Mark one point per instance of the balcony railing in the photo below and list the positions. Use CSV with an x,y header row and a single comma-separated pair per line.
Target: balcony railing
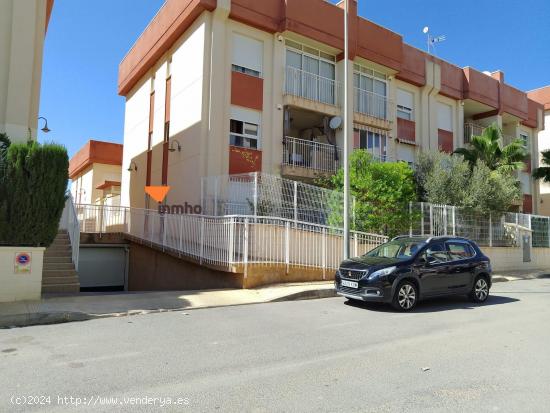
x,y
311,155
472,129
312,87
372,104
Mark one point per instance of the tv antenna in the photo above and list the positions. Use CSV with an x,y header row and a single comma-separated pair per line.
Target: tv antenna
x,y
432,40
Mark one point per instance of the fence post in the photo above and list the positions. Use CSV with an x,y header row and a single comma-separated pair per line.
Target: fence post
x,y
202,241
355,244
255,194
324,258
445,219
181,235
245,248
287,246
490,230
295,202
431,220
410,218
422,218
152,229
231,248
454,221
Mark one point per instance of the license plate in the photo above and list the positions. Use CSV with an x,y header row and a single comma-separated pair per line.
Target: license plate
x,y
350,284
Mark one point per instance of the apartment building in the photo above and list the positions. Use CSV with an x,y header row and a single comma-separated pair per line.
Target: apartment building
x,y
23,26
233,86
542,95
95,172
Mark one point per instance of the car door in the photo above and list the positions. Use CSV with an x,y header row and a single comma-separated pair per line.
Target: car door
x,y
434,269
461,266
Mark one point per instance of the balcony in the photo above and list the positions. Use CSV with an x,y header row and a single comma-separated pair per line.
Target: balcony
x,y
312,87
308,159
472,129
373,105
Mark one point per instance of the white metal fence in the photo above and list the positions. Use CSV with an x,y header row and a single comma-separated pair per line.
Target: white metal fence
x,y
495,230
311,86
261,194
311,155
373,104
230,240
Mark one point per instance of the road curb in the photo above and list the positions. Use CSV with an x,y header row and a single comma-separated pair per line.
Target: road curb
x,y
35,319
307,295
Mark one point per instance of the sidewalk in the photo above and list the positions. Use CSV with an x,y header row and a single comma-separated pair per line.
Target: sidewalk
x,y
87,306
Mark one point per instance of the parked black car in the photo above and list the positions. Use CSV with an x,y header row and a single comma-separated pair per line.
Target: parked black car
x,y
408,269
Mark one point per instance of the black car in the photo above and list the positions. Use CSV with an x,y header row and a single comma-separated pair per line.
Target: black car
x,y
408,269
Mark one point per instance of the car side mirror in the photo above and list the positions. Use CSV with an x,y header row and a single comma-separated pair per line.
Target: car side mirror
x,y
422,262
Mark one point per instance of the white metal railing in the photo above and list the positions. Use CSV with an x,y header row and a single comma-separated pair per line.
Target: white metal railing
x,y
492,229
373,104
233,240
311,155
70,223
472,129
311,86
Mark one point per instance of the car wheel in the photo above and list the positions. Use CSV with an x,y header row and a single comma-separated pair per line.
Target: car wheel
x,y
405,297
480,290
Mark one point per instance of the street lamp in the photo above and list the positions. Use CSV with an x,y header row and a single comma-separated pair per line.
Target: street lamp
x,y
45,129
346,133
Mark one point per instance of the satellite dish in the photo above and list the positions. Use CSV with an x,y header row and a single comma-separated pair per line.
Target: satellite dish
x,y
426,30
335,122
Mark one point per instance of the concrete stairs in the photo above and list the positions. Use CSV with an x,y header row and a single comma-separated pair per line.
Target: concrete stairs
x,y
59,275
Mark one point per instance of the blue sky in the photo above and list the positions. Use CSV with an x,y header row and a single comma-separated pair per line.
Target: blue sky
x,y
86,41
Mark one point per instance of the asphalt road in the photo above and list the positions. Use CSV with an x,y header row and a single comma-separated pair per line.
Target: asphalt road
x,y
319,355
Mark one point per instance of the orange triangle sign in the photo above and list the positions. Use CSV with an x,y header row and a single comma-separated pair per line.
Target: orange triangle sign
x,y
158,193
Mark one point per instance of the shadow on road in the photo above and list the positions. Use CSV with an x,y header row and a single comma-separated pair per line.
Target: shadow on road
x,y
432,305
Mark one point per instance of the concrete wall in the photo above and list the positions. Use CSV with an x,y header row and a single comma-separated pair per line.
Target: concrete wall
x,y
511,259
20,286
22,30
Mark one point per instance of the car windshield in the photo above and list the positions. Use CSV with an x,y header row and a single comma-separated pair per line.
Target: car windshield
x,y
401,249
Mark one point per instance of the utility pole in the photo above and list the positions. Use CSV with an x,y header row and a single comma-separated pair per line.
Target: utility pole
x,y
346,133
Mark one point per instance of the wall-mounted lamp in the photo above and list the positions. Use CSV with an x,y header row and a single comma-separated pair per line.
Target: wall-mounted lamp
x,y
132,167
45,129
178,147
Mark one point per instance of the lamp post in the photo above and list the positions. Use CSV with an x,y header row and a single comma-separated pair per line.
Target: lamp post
x,y
346,133
45,129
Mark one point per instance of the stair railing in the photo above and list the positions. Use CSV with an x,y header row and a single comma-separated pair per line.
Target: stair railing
x,y
69,222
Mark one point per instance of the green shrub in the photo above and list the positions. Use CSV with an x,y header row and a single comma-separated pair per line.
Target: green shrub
x,y
33,194
382,191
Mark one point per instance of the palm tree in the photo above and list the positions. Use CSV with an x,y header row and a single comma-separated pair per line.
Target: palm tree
x,y
488,148
543,172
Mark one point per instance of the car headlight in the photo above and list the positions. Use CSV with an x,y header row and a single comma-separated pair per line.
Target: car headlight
x,y
382,272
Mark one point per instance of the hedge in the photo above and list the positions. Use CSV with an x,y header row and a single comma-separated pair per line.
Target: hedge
x,y
32,194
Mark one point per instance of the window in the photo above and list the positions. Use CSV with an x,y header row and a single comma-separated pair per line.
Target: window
x,y
400,248
373,142
459,251
444,117
243,134
246,71
525,138
405,101
436,254
310,73
371,90
248,54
